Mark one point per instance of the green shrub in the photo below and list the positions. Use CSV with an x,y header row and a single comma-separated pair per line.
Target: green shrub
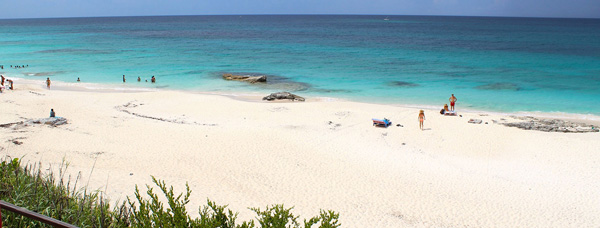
x,y
49,195
214,215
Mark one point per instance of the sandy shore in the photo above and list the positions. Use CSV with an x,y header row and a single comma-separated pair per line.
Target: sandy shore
x,y
313,155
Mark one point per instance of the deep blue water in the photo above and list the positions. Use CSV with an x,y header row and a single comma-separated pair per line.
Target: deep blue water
x,y
497,64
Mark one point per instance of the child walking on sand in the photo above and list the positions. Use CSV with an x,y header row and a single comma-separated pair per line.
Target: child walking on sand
x,y
421,119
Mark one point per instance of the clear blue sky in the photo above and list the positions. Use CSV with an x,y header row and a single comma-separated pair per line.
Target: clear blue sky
x,y
92,8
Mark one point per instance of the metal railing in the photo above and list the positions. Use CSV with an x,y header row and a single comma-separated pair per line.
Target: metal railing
x,y
32,215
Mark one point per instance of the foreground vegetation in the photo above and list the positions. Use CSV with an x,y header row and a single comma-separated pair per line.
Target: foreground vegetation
x,y
49,194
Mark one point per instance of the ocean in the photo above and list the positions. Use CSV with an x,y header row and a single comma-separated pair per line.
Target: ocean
x,y
489,63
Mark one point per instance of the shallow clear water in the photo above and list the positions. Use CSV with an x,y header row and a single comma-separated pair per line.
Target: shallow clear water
x,y
497,64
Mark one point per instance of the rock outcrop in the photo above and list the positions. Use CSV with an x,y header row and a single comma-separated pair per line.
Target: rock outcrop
x,y
551,125
283,95
245,78
266,81
52,121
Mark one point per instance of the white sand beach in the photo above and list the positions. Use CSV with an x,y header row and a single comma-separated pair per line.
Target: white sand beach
x,y
312,155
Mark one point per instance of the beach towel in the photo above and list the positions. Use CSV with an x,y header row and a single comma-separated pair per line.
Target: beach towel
x,y
450,113
475,121
381,122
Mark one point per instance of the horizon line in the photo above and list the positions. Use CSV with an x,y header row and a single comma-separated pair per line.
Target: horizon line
x,y
190,15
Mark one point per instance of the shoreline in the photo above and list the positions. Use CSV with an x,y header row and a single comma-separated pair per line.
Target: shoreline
x,y
312,156
588,119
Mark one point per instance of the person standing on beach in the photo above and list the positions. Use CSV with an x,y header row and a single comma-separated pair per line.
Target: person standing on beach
x,y
52,114
421,119
48,82
2,83
10,82
452,102
123,78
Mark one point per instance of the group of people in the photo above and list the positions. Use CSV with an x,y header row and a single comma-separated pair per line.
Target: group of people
x,y
452,100
153,79
449,111
48,82
15,66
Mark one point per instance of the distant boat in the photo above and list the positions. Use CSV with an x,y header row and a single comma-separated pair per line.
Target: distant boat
x,y
386,19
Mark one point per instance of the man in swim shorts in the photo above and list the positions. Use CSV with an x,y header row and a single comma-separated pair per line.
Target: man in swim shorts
x,y
452,102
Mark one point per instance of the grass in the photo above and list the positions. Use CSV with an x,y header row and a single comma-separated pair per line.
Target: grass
x,y
48,194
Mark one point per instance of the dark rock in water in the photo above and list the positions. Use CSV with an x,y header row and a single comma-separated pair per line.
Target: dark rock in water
x,y
77,51
553,125
194,72
288,86
319,90
274,82
283,95
499,86
44,74
279,83
245,78
403,84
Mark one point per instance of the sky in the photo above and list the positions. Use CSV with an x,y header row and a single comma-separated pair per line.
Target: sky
x,y
95,8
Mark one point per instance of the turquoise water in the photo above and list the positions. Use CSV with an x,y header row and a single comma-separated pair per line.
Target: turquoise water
x,y
497,64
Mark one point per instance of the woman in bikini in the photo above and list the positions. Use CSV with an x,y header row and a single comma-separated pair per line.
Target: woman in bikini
x,y
421,119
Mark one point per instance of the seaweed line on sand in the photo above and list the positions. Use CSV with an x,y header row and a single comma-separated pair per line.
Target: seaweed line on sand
x,y
123,108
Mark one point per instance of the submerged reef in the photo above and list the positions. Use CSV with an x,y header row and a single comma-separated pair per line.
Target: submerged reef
x,y
499,86
44,74
403,84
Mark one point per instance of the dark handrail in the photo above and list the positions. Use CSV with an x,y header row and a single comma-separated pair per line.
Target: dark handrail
x,y
33,215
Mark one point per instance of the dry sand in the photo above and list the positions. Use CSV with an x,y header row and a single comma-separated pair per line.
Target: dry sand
x,y
313,155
